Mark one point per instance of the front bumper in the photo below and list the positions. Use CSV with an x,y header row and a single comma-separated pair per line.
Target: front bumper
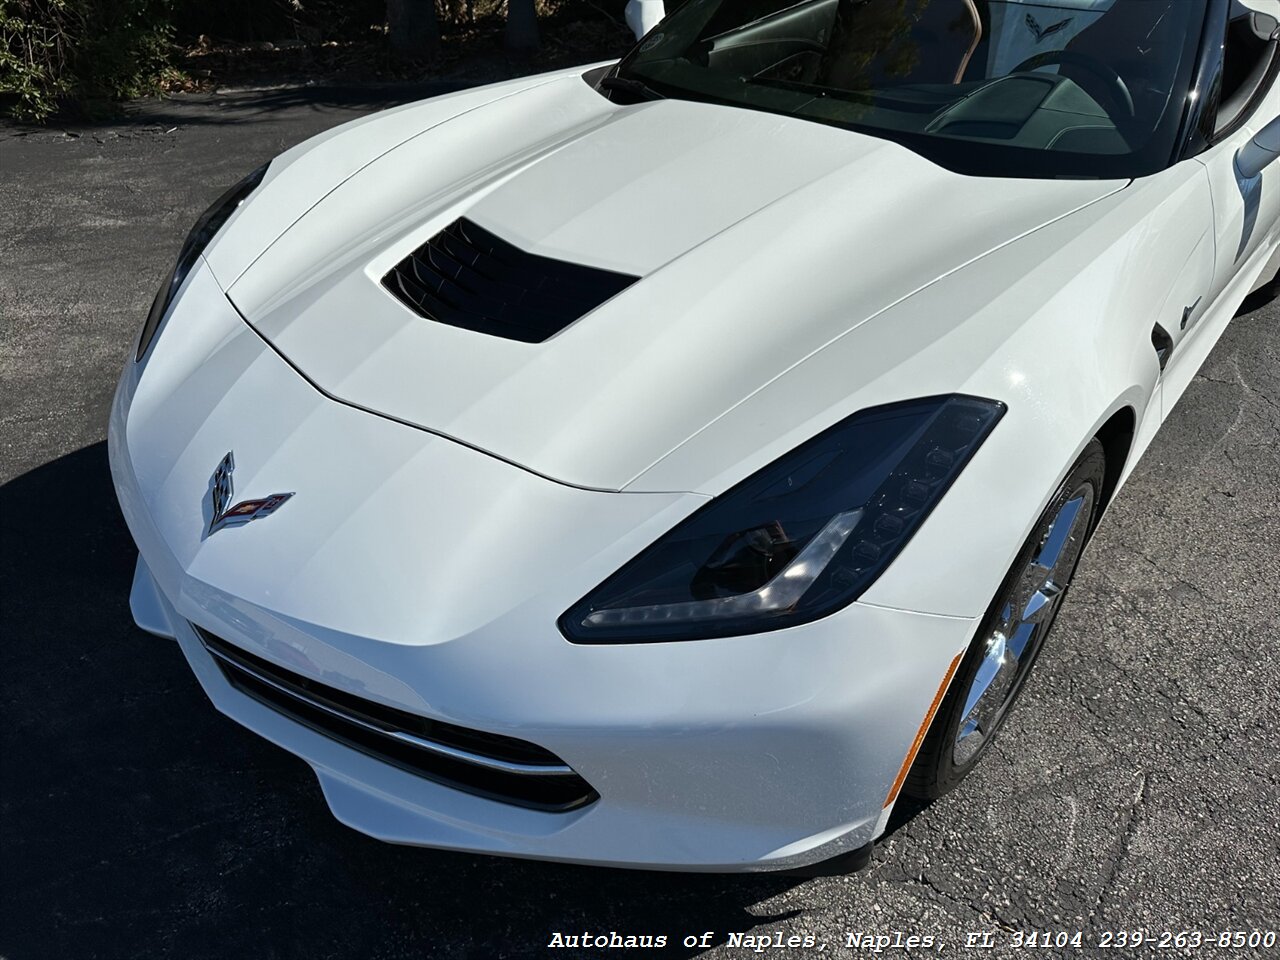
x,y
420,574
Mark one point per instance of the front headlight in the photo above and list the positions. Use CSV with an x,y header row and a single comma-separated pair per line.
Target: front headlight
x,y
800,539
206,227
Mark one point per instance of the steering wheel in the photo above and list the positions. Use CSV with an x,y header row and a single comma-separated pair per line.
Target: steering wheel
x,y
1112,81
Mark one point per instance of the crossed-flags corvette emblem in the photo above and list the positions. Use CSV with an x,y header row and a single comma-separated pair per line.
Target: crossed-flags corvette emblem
x,y
226,515
1042,33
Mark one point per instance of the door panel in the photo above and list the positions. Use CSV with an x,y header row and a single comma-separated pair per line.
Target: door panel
x,y
1191,272
1245,232
1246,211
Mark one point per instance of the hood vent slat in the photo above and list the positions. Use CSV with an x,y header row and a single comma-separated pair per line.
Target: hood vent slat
x,y
467,277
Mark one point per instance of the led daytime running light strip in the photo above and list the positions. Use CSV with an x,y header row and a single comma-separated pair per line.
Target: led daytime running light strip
x,y
781,593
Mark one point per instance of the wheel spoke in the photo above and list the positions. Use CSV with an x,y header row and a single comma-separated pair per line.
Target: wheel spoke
x,y
1059,535
987,672
1008,621
1041,604
1021,639
987,696
1032,581
1065,563
1027,611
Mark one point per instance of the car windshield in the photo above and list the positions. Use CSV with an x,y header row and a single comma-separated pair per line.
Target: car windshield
x,y
1014,88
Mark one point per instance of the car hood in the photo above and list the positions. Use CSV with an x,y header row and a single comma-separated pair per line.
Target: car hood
x,y
757,240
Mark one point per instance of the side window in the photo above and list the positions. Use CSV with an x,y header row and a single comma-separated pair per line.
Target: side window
x,y
1249,58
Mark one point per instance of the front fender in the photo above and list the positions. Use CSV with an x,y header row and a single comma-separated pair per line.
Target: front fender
x,y
1056,325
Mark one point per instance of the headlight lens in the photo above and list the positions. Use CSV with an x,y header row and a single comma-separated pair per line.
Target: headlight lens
x,y
800,539
210,223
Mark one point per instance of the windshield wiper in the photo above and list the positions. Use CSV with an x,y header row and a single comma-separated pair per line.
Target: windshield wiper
x,y
629,85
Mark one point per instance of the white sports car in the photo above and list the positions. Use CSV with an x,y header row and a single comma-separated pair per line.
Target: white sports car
x,y
665,465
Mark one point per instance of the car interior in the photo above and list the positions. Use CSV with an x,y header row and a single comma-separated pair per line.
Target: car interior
x,y
1249,62
1081,76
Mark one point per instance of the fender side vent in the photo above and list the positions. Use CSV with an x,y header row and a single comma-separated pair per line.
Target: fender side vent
x,y
467,277
1162,343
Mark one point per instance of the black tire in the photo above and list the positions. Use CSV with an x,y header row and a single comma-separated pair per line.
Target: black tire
x,y
1271,291
940,766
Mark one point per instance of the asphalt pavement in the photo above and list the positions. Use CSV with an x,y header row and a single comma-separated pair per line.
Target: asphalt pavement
x,y
1135,788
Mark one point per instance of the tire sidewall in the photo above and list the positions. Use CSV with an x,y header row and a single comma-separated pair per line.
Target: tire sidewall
x,y
936,772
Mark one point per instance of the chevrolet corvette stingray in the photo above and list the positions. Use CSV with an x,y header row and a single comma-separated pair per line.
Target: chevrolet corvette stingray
x,y
671,462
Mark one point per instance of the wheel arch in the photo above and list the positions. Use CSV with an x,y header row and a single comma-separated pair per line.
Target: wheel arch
x,y
1116,437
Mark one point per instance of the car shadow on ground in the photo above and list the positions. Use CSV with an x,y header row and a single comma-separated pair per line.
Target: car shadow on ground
x,y
138,820
1259,298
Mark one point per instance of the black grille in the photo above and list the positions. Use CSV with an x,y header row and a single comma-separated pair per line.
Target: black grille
x,y
467,277
469,760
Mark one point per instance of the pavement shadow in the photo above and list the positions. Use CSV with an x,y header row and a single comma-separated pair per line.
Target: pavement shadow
x,y
138,821
1259,298
904,811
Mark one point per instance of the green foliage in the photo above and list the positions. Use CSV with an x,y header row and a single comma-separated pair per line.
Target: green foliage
x,y
82,55
33,55
55,53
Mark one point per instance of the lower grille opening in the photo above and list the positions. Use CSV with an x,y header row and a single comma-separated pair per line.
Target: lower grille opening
x,y
485,764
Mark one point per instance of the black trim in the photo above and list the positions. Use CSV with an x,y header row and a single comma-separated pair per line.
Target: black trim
x,y
593,76
325,710
467,277
1200,131
1255,100
1201,114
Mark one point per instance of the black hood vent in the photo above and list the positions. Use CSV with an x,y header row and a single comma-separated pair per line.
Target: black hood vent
x,y
467,277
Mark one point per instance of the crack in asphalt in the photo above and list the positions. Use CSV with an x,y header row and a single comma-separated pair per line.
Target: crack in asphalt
x,y
1137,813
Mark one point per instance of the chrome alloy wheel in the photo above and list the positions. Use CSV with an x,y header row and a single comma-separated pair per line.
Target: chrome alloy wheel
x,y
1026,611
990,676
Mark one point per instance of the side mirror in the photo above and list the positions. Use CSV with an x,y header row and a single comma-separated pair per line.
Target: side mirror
x,y
1259,152
643,15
